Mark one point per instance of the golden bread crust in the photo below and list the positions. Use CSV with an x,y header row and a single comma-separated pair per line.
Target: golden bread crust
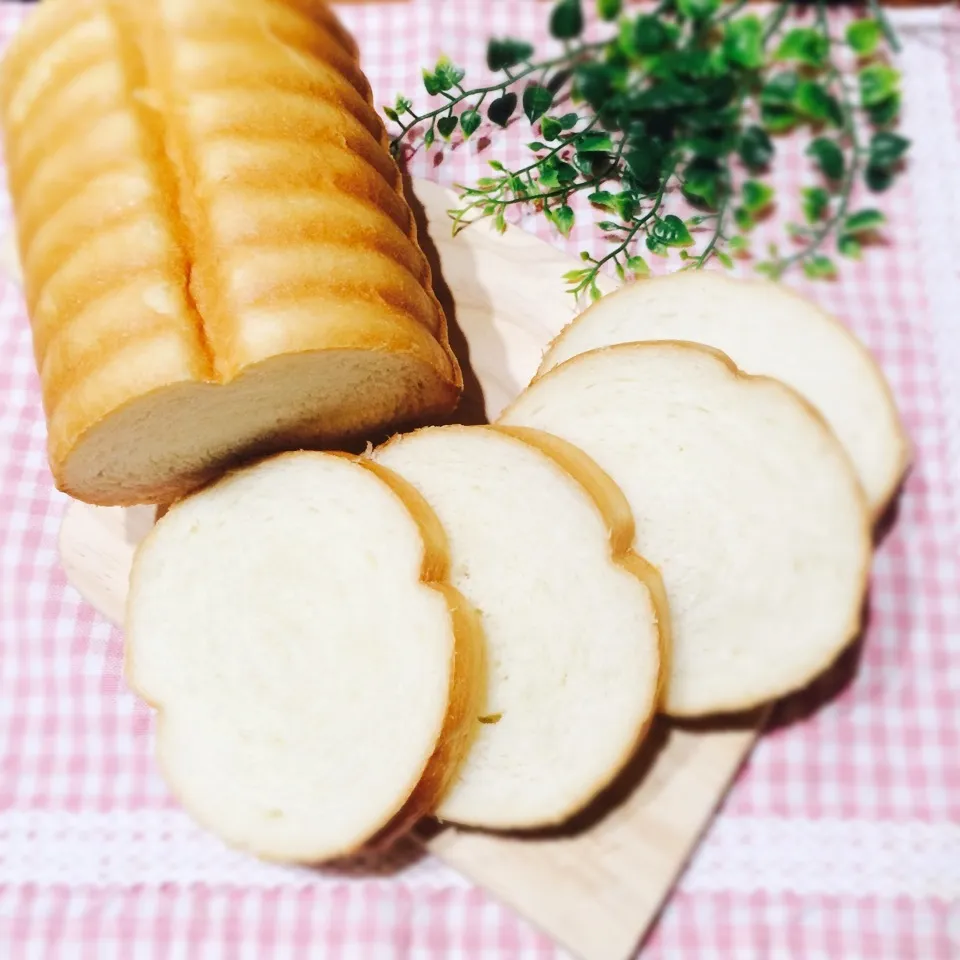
x,y
199,189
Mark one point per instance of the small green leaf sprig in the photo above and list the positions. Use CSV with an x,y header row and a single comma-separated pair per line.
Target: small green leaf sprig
x,y
686,100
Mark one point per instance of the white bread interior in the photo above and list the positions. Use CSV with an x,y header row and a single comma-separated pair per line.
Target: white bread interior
x,y
540,545
744,500
767,329
316,678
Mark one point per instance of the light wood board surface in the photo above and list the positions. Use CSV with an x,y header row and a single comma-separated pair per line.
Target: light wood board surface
x,y
596,886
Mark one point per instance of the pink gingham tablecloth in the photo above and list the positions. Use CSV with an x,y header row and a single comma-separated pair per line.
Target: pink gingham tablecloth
x,y
841,837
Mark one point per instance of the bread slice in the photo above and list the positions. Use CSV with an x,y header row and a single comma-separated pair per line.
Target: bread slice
x,y
219,261
765,328
316,677
540,545
744,500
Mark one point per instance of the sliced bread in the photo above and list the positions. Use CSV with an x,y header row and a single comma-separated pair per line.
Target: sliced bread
x,y
765,329
540,545
316,677
744,500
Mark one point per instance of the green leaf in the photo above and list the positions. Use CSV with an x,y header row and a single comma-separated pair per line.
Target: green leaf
x,y
536,101
573,276
885,111
506,53
608,9
428,138
469,121
767,269
702,181
604,199
657,247
430,83
863,221
550,128
886,149
877,178
780,90
595,293
777,110
671,231
816,103
828,157
698,9
815,201
392,114
644,162
724,258
565,172
566,20
649,34
819,267
778,119
536,146
804,45
402,104
446,126
848,246
593,83
563,217
638,266
757,197
756,148
594,143
877,82
446,74
501,109
743,219
609,226
626,205
743,42
863,36
568,120
738,244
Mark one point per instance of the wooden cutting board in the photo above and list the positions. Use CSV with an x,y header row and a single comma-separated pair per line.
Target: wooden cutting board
x,y
597,885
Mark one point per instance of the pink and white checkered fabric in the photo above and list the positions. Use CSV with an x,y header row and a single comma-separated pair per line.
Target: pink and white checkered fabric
x,y
841,837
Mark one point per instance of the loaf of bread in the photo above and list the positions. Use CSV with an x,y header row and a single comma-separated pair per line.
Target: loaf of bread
x,y
217,254
767,329
316,676
575,622
743,498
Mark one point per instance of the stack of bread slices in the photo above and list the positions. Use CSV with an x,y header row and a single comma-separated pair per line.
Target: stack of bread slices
x,y
481,622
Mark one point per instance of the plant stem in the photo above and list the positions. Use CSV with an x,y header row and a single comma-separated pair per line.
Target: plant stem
x,y
890,35
777,16
720,215
631,234
570,56
819,236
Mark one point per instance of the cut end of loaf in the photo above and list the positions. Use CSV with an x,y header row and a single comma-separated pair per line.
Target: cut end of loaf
x,y
160,446
315,690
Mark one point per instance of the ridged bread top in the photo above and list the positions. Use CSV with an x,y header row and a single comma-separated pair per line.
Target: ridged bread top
x,y
198,187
